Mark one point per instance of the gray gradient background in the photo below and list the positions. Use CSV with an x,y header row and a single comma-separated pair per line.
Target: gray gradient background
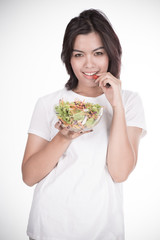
x,y
31,34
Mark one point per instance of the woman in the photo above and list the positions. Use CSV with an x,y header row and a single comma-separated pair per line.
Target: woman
x,y
79,175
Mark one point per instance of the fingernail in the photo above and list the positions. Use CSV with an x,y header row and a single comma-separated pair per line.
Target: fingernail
x,y
108,85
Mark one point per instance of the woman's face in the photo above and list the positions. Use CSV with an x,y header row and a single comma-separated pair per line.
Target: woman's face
x,y
88,58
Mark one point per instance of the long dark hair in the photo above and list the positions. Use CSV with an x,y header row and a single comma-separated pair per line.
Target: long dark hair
x,y
91,21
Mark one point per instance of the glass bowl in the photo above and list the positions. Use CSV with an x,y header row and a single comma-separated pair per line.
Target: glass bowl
x,y
78,115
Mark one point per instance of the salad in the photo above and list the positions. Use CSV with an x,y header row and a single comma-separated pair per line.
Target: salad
x,y
78,115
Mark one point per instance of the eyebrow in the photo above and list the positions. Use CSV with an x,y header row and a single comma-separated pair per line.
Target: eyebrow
x,y
76,50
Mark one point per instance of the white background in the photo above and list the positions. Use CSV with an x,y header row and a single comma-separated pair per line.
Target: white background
x,y
31,34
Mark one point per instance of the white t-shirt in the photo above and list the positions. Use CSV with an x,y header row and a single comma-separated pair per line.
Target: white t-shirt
x,y
78,200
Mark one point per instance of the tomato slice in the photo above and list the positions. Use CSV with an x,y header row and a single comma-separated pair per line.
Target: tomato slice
x,y
95,77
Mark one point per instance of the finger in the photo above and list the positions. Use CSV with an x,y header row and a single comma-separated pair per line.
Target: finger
x,y
103,82
84,132
65,130
97,79
60,127
57,125
107,75
109,81
72,134
89,131
110,76
100,76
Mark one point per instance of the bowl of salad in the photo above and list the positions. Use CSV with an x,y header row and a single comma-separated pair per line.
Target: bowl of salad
x,y
78,115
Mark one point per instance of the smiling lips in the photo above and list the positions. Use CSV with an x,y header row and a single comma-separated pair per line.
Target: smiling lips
x,y
91,75
94,76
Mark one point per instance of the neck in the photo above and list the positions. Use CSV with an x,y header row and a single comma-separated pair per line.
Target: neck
x,y
89,92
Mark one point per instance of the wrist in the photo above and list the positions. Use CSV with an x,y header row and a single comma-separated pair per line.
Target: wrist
x,y
63,138
118,108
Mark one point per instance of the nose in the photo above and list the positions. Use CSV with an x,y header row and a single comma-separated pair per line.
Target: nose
x,y
89,61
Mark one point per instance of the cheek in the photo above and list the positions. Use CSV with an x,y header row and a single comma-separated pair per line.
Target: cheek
x,y
75,66
72,64
105,64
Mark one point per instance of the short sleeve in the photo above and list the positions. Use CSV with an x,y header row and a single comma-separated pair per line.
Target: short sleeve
x,y
135,112
39,124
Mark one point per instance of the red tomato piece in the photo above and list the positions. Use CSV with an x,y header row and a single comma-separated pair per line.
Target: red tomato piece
x,y
95,77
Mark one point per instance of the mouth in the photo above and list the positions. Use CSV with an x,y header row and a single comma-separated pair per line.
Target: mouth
x,y
89,73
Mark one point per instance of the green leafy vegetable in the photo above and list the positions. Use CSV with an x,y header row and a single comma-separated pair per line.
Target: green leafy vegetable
x,y
78,114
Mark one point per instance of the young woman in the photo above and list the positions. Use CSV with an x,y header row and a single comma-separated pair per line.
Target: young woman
x,y
79,175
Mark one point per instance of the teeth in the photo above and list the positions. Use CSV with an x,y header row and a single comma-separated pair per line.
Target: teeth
x,y
90,74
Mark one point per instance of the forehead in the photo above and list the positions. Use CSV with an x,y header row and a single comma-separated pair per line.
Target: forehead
x,y
87,41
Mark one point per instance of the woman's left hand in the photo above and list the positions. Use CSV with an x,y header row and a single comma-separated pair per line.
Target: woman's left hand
x,y
113,92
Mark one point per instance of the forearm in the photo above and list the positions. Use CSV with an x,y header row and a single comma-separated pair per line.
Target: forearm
x,y
120,156
41,163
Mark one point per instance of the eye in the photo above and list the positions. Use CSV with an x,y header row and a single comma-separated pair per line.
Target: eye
x,y
78,55
98,53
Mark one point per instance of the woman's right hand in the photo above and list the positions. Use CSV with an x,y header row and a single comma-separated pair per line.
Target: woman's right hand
x,y
41,156
66,132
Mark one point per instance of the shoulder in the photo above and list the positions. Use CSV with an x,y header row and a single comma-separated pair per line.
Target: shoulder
x,y
135,116
127,94
130,97
52,97
47,102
